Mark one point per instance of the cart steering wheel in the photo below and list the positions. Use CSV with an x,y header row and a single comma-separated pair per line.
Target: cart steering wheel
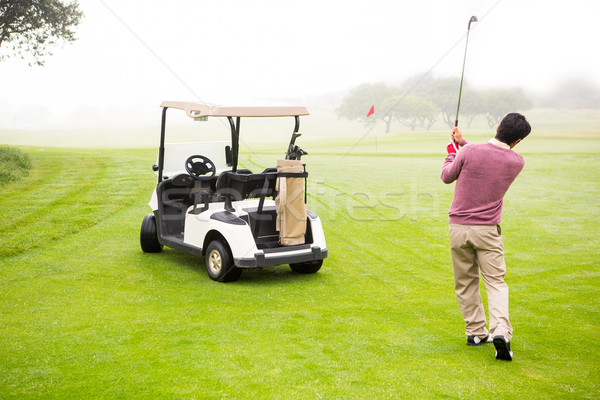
x,y
200,167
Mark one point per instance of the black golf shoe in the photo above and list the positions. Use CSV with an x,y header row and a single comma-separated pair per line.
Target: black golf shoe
x,y
503,351
474,340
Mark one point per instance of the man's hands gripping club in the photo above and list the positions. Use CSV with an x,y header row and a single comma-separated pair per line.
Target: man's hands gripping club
x,y
456,137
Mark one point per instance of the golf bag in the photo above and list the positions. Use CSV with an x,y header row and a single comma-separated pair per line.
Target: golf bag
x,y
291,209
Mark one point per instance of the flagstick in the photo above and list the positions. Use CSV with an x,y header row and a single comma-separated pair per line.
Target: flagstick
x,y
371,112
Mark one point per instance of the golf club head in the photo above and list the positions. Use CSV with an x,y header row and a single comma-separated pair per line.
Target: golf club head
x,y
473,19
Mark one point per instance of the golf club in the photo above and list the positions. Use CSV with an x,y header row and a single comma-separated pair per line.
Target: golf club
x,y
473,19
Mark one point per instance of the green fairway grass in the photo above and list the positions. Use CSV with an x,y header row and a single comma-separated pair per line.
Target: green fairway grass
x,y
84,313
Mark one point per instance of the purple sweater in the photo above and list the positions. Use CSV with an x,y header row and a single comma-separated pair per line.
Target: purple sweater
x,y
483,173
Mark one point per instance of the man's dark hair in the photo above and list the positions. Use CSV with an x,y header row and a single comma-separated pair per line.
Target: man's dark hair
x,y
512,128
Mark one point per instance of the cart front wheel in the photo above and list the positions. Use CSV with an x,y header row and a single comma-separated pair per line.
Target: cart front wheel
x,y
149,235
219,263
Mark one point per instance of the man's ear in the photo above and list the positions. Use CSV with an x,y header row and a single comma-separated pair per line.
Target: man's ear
x,y
516,142
498,127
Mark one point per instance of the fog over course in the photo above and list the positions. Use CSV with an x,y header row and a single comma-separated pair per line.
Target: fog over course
x,y
131,55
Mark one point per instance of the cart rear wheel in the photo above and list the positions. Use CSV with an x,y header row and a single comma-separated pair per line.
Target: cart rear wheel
x,y
219,263
149,235
307,267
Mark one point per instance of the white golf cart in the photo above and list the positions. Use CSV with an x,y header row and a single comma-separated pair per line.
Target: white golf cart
x,y
204,205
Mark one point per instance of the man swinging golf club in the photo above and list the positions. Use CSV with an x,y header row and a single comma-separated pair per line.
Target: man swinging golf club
x,y
483,173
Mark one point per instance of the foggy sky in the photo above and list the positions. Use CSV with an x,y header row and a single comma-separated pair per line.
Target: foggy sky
x,y
131,55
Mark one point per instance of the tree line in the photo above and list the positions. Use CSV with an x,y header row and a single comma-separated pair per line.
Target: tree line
x,y
420,102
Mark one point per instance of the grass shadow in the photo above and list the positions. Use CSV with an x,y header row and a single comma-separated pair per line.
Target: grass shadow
x,y
251,276
275,275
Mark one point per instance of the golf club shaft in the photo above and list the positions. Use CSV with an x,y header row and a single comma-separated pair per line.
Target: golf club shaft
x,y
473,19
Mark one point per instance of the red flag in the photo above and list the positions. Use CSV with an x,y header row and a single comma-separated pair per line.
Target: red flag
x,y
371,111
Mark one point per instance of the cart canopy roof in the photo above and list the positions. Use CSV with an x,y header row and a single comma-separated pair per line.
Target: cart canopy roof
x,y
198,110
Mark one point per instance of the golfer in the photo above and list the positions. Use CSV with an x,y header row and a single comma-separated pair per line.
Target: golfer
x,y
483,173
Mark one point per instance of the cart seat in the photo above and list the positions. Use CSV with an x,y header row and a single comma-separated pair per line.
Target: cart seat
x,y
240,185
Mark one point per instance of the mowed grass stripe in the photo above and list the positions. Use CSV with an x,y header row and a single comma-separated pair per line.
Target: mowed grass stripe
x,y
67,193
42,218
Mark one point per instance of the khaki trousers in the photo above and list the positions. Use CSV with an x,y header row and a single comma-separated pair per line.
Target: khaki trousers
x,y
479,249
